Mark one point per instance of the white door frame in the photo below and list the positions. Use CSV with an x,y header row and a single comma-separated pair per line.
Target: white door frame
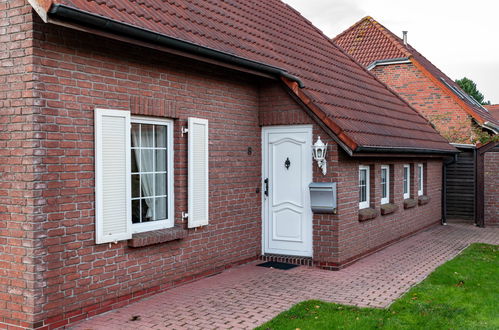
x,y
308,177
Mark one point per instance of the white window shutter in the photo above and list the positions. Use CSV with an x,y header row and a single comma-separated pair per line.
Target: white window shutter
x,y
112,176
197,172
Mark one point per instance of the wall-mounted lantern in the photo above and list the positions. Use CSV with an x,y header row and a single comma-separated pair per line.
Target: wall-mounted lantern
x,y
319,150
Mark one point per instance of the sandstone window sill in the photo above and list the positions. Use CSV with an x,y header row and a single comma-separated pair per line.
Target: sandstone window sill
x,y
410,203
388,208
157,236
367,214
422,200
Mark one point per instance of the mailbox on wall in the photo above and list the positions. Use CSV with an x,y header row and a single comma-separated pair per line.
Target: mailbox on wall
x,y
323,197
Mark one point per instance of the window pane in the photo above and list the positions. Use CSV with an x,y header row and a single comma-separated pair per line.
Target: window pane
x,y
135,135
136,211
161,208
135,185
362,185
160,133
147,137
363,194
133,157
160,160
147,209
147,185
420,177
160,184
146,164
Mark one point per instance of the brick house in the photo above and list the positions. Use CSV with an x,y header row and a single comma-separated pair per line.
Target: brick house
x,y
454,114
146,146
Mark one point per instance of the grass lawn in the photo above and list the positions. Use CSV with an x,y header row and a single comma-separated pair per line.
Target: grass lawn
x,y
463,293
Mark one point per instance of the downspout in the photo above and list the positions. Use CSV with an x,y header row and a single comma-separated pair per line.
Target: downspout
x,y
447,162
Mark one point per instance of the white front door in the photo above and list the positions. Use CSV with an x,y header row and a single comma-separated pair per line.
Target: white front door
x,y
287,172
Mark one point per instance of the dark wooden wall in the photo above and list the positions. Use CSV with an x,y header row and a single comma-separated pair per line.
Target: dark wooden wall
x,y
460,187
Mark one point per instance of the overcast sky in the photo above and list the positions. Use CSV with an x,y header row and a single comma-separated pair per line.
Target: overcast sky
x,y
460,37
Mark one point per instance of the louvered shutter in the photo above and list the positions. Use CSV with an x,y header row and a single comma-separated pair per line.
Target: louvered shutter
x,y
198,172
112,176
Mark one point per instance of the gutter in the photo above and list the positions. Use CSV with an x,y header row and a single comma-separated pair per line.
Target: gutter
x,y
398,60
403,150
102,23
491,126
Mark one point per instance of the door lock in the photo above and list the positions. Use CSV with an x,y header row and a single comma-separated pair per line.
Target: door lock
x,y
266,187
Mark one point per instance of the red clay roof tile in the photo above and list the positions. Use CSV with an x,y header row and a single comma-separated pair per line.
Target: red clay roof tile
x,y
273,33
369,41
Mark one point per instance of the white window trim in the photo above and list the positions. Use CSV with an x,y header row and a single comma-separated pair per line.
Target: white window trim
x,y
386,200
160,224
420,178
408,193
366,203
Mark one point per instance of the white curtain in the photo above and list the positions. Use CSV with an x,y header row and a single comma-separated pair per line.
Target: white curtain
x,y
146,181
161,185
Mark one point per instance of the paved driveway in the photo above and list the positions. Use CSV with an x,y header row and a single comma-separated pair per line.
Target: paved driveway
x,y
247,296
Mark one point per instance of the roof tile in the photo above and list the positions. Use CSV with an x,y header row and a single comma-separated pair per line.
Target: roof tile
x,y
273,33
369,41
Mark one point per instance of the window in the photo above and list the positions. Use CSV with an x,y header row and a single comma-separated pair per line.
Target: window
x,y
385,184
407,181
151,159
420,179
134,174
363,187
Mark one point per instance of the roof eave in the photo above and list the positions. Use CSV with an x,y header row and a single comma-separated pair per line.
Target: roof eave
x,y
388,61
402,150
41,7
64,12
491,126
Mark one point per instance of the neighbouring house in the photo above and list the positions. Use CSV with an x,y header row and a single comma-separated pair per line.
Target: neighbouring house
x,y
494,110
146,144
457,116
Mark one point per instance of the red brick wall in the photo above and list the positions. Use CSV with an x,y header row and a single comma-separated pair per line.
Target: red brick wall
x,y
78,73
428,98
52,270
491,191
357,238
19,280
341,238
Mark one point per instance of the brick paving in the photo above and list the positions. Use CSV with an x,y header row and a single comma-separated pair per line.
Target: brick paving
x,y
247,296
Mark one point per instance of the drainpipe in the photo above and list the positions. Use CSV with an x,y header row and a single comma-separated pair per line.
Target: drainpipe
x,y
447,162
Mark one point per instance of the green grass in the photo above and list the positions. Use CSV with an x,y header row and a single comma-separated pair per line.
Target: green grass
x,y
463,293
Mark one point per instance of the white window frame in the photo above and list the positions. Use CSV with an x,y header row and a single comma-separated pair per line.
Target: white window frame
x,y
407,168
420,179
366,203
385,200
168,223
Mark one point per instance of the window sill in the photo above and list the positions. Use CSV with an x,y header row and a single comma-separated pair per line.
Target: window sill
x,y
423,199
157,236
367,214
388,208
410,203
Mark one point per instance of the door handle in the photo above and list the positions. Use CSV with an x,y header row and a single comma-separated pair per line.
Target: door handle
x,y
266,187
